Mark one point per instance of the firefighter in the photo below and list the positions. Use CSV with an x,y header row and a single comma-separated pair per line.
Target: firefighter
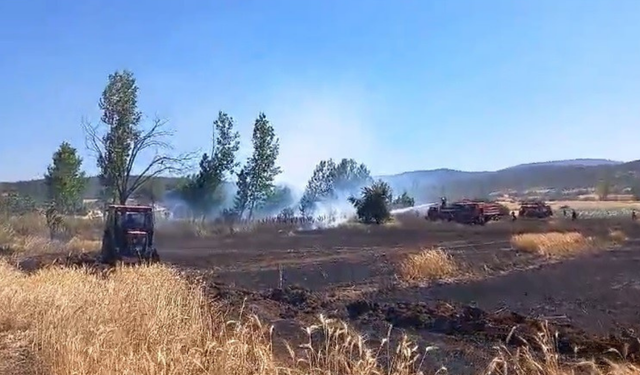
x,y
634,217
513,216
574,215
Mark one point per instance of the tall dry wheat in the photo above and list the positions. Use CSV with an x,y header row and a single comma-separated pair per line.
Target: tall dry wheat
x,y
552,244
427,265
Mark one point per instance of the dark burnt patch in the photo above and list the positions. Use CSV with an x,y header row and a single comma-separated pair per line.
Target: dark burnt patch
x,y
297,300
506,326
34,263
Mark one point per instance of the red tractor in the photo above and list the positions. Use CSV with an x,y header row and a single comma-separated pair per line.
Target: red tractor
x,y
128,235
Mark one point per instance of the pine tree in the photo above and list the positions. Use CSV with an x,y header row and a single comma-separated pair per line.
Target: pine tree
x,y
65,180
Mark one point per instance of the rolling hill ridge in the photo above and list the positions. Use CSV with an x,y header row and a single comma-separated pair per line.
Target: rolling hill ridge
x,y
425,185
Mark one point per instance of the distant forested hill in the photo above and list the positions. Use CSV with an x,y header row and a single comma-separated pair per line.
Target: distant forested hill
x,y
430,184
36,189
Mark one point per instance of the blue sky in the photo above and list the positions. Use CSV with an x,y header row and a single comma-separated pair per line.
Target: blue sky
x,y
399,85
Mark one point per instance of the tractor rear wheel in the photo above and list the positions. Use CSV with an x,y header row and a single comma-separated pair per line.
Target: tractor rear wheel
x,y
107,252
154,257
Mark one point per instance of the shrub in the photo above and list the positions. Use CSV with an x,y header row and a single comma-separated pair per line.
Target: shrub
x,y
373,204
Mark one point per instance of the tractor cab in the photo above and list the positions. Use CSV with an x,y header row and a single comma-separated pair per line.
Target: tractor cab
x,y
128,234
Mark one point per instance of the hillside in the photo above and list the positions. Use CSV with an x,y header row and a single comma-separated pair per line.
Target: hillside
x,y
430,184
569,163
37,189
555,176
429,177
443,176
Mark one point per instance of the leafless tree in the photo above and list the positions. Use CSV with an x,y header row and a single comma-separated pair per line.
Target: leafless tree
x,y
120,144
149,148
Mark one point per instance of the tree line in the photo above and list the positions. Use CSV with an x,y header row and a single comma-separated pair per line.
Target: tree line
x,y
130,158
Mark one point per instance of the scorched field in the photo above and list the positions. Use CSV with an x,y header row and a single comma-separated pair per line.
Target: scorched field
x,y
529,296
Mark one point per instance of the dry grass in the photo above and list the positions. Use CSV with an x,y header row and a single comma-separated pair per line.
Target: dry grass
x,y
199,229
34,244
149,320
34,224
523,361
136,321
355,225
552,244
582,204
7,234
427,265
618,236
28,235
596,204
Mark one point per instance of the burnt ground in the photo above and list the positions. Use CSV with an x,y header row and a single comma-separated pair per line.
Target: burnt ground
x,y
288,278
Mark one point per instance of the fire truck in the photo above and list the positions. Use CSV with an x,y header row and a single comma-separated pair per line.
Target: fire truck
x,y
466,212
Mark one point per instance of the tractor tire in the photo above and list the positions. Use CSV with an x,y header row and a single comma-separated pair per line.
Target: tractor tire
x,y
155,257
149,257
107,253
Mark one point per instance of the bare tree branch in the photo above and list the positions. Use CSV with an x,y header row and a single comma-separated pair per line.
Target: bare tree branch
x,y
119,142
92,140
153,140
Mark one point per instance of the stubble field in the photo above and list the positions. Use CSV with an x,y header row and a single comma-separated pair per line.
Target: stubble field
x,y
475,293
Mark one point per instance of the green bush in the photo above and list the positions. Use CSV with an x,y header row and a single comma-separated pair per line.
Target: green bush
x,y
373,204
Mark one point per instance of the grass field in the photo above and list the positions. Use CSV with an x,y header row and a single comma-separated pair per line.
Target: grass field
x,y
509,297
591,204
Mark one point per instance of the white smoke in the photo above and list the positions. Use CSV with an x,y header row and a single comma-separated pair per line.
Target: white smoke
x,y
320,122
333,213
317,121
